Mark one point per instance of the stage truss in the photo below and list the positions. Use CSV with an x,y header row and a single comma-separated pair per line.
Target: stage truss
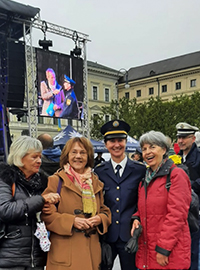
x,y
31,93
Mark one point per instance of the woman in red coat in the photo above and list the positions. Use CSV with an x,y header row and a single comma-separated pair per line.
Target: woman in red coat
x,y
165,239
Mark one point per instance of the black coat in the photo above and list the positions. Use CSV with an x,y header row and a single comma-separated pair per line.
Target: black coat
x,y
21,247
49,167
193,164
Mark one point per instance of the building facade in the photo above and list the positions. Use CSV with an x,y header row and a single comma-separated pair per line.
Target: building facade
x,y
165,79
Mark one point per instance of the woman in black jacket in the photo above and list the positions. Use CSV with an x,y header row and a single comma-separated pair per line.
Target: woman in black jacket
x,y
21,186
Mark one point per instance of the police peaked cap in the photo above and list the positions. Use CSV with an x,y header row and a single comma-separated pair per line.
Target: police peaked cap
x,y
115,129
184,129
67,79
138,150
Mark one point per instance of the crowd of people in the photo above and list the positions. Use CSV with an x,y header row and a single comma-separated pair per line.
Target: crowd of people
x,y
91,208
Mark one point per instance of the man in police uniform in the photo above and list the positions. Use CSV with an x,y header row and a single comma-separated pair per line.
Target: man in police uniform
x,y
191,157
70,104
121,177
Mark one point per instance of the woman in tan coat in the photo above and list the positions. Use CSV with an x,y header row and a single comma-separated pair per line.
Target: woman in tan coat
x,y
79,218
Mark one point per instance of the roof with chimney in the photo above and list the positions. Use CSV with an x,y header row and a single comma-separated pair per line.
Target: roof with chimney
x,y
182,62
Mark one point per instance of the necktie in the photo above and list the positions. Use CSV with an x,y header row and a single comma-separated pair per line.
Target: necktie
x,y
118,167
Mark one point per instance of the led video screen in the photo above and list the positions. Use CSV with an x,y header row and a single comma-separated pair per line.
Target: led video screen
x,y
59,85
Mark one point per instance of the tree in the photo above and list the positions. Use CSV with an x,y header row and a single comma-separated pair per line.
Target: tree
x,y
95,126
152,115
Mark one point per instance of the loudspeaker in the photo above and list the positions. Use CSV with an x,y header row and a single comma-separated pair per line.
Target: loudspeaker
x,y
13,67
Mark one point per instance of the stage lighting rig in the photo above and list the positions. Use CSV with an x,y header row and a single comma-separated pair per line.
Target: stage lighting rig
x,y
19,112
45,43
77,50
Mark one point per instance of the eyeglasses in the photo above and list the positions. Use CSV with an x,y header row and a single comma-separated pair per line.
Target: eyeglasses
x,y
75,153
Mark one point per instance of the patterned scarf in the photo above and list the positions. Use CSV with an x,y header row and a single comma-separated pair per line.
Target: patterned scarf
x,y
150,174
33,184
84,183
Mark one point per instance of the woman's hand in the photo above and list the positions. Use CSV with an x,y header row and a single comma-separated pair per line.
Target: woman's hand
x,y
81,223
48,208
162,259
56,107
51,198
56,91
94,221
134,226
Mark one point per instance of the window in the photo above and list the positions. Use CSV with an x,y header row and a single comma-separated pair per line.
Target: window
x,y
193,83
127,95
107,94
178,85
70,122
40,120
151,91
138,93
107,118
94,92
164,88
55,121
24,118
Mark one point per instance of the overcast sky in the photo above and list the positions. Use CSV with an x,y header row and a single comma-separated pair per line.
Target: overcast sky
x,y
126,33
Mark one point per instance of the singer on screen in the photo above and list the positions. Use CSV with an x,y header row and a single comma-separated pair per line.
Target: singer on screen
x,y
52,95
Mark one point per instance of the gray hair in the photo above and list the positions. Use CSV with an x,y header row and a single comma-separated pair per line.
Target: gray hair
x,y
22,146
157,138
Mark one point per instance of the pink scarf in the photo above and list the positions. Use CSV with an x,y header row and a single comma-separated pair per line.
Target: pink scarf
x,y
84,183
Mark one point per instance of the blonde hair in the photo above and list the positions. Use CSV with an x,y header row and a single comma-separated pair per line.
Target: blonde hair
x,y
22,146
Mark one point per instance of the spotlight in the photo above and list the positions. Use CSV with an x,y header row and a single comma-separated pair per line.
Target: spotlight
x,y
76,51
19,112
45,44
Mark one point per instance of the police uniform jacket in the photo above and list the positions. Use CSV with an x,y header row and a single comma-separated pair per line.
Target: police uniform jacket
x,y
193,164
121,197
70,105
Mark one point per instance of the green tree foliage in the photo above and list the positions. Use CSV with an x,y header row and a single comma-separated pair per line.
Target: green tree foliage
x,y
95,126
152,115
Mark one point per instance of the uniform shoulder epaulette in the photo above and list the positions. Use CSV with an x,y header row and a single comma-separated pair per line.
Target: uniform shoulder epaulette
x,y
100,164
